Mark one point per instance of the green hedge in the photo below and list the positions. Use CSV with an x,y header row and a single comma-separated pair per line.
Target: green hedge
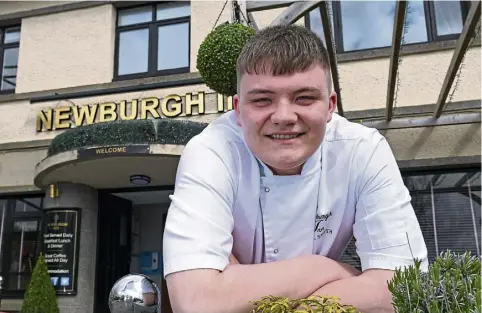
x,y
160,131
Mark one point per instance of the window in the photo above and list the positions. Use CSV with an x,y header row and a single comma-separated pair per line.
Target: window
x,y
361,25
20,230
447,205
153,40
9,46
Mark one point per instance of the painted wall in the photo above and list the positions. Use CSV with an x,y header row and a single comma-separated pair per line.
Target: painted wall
x,y
67,49
9,7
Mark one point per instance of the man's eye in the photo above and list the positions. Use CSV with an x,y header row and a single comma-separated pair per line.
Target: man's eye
x,y
302,98
305,100
261,101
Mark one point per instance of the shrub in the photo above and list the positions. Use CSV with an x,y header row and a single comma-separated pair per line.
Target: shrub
x,y
107,133
217,55
314,304
129,132
452,284
40,296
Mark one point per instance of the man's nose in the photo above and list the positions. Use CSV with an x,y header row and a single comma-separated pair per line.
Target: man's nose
x,y
284,114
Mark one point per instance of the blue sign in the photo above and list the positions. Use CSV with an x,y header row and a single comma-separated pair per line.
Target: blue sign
x,y
54,280
150,262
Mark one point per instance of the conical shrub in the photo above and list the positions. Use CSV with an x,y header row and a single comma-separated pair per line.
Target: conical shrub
x,y
40,296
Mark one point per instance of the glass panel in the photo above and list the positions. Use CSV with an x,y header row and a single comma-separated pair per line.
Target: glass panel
x,y
9,69
12,35
473,180
28,205
369,24
173,46
24,253
448,17
455,227
135,16
440,181
316,25
455,208
173,10
133,51
422,205
416,28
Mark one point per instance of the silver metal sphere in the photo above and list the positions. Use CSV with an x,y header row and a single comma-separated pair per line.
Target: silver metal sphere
x,y
135,293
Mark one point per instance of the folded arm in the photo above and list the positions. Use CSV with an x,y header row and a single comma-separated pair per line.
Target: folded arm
x,y
386,229
231,291
367,292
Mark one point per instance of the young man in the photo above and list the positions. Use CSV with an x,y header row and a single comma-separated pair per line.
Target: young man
x,y
280,185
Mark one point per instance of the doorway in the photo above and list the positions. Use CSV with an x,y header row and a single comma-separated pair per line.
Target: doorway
x,y
113,246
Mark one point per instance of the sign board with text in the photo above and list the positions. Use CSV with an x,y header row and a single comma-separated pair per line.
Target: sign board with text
x,y
114,150
60,247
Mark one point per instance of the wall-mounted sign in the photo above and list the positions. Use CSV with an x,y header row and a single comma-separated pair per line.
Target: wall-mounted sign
x,y
151,107
60,247
113,150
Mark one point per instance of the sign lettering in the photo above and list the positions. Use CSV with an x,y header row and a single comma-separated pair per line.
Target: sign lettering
x,y
114,150
151,107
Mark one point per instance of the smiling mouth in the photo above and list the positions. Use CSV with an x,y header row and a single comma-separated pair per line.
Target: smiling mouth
x,y
285,136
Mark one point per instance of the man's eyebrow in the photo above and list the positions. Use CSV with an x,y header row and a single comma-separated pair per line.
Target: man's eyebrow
x,y
307,89
258,91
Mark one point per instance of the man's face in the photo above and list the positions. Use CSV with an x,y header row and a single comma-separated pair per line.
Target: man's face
x,y
284,117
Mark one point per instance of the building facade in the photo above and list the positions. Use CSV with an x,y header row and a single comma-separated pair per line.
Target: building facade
x,y
91,99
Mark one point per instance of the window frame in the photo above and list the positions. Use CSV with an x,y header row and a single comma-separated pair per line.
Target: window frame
x,y
153,27
4,46
430,21
11,216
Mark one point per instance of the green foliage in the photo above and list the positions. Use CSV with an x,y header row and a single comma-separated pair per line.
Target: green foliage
x,y
123,132
217,55
314,304
40,296
452,284
108,133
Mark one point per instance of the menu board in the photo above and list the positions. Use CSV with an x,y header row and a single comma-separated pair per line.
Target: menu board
x,y
60,247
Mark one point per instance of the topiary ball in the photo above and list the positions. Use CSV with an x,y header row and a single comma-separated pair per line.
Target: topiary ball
x,y
217,55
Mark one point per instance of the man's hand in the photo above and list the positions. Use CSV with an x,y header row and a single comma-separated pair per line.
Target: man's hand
x,y
367,292
232,260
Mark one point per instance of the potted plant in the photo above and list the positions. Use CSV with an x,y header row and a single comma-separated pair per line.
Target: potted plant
x,y
40,296
451,285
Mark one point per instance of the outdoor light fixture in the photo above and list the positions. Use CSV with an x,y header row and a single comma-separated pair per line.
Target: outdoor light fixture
x,y
140,180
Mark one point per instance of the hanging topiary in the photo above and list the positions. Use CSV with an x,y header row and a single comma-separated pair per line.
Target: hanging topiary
x,y
217,55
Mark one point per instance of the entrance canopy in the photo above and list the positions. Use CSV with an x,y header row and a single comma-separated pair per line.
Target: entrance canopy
x,y
119,154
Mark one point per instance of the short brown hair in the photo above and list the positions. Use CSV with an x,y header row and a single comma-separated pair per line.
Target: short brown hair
x,y
282,50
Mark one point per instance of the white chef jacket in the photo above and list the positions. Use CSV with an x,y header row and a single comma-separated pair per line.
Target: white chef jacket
x,y
226,200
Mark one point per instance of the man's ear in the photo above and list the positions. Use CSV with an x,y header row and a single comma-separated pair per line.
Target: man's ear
x,y
332,101
237,109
